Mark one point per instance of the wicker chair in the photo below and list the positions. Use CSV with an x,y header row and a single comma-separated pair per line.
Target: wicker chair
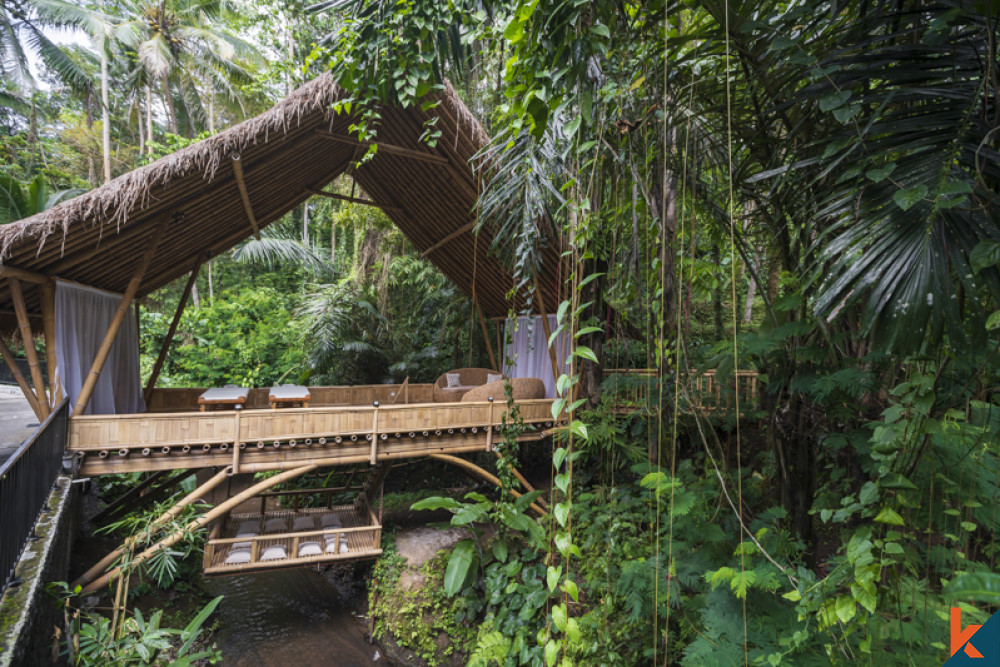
x,y
523,388
469,378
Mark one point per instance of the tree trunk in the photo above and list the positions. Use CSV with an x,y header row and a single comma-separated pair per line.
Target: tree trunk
x,y
105,117
149,118
171,110
195,301
367,255
91,167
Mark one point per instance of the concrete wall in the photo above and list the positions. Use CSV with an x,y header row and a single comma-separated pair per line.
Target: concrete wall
x,y
28,613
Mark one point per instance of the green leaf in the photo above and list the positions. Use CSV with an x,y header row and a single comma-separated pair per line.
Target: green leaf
x,y
572,630
436,503
562,482
894,480
993,321
794,596
586,330
586,353
561,512
600,30
469,514
979,587
558,457
880,173
571,589
500,550
834,100
552,577
846,608
559,617
892,548
906,198
889,516
579,429
459,566
551,652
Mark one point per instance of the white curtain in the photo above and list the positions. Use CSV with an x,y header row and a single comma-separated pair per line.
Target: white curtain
x,y
83,315
529,351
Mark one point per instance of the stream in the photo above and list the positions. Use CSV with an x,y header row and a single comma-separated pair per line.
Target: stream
x,y
288,617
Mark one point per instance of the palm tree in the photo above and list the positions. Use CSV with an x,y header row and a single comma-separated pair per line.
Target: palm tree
x,y
19,200
183,44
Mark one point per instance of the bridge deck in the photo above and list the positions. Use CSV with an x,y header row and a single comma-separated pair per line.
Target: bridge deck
x,y
257,440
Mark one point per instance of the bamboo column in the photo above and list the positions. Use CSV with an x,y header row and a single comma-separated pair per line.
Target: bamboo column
x,y
200,522
162,357
489,477
486,336
209,485
116,322
8,357
29,345
49,324
548,330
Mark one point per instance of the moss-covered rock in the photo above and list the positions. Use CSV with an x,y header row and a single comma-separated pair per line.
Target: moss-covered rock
x,y
415,621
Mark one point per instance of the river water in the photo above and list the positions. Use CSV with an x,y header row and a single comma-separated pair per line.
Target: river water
x,y
288,617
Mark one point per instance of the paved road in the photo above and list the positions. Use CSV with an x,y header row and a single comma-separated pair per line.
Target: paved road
x,y
17,422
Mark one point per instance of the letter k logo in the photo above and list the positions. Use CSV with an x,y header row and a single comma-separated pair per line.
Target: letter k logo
x,y
960,636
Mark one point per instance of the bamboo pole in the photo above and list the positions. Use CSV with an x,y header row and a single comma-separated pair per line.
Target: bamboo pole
x,y
8,271
8,357
24,325
103,564
49,324
244,195
162,357
116,322
548,329
473,468
486,336
353,200
384,147
450,237
201,521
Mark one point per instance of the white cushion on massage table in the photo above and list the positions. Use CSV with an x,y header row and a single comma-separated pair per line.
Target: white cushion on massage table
x,y
248,528
279,525
288,392
238,556
225,394
331,521
276,552
304,523
310,549
331,546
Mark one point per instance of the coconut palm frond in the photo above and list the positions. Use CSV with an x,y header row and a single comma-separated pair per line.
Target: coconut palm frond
x,y
271,252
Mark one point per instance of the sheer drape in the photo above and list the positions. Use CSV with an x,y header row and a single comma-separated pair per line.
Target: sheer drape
x,y
82,318
530,353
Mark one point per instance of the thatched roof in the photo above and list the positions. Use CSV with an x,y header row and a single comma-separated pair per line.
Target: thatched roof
x,y
299,145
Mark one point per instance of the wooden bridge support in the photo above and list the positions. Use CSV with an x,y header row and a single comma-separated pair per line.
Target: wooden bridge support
x,y
202,490
492,479
200,522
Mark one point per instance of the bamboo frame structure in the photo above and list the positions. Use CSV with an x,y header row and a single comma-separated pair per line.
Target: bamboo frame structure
x,y
352,200
486,337
383,147
449,238
48,303
162,357
15,370
200,522
268,439
90,575
116,322
29,346
244,195
489,477
361,534
548,330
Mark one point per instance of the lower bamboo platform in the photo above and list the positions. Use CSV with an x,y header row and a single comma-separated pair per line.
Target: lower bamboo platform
x,y
358,537
260,440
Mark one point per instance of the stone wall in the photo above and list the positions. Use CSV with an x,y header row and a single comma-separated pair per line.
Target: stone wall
x,y
28,613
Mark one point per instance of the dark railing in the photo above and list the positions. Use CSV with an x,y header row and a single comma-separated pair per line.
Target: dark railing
x,y
6,377
26,480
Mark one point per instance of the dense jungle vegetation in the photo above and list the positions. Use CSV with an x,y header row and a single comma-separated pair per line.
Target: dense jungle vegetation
x,y
803,189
